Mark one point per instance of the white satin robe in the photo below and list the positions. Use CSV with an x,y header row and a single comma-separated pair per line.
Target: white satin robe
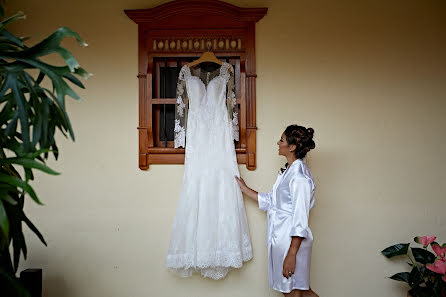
x,y
288,205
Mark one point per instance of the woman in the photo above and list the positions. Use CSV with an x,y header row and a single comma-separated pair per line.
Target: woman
x,y
288,205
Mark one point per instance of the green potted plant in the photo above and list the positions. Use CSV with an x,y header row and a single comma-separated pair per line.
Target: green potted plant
x,y
427,276
30,114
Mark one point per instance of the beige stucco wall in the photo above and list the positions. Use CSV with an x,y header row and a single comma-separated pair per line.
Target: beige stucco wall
x,y
368,76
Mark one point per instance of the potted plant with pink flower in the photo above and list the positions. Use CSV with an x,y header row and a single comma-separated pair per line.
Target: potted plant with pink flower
x,y
427,277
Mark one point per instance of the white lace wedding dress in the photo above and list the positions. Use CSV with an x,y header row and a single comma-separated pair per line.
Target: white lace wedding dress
x,y
210,232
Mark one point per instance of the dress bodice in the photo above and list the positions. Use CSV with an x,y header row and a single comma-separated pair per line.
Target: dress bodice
x,y
208,97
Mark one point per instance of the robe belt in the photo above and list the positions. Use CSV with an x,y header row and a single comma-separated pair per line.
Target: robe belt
x,y
271,219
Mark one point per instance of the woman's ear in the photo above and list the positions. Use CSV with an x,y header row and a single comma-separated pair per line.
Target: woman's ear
x,y
292,147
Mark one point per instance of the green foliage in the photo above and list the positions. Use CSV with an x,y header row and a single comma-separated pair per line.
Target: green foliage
x,y
423,256
423,279
396,250
30,114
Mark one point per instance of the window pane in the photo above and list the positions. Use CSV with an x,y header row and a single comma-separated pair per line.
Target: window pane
x,y
167,133
168,81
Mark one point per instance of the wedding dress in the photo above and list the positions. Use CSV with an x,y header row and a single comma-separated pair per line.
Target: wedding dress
x,y
210,232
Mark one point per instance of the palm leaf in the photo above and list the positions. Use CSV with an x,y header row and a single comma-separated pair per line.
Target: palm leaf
x,y
28,163
11,19
12,180
4,225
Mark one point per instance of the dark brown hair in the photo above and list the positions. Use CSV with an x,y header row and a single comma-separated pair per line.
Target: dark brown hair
x,y
301,137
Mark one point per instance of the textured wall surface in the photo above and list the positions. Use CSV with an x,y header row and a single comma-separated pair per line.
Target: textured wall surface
x,y
368,76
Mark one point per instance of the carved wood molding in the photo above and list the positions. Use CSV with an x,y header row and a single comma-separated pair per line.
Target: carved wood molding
x,y
185,7
197,44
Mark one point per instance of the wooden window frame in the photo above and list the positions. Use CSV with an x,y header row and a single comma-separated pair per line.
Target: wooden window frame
x,y
158,100
187,28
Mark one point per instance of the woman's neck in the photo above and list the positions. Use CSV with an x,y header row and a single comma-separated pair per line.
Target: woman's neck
x,y
290,159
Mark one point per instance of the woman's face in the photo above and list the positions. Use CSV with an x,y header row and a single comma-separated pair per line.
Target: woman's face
x,y
284,150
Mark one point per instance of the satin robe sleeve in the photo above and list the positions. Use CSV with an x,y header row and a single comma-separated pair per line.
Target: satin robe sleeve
x,y
264,200
300,191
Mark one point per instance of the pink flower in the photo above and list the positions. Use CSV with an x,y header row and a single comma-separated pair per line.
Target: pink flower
x,y
425,240
438,267
439,250
444,278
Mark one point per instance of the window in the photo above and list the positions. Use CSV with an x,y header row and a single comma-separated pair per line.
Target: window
x,y
164,83
170,36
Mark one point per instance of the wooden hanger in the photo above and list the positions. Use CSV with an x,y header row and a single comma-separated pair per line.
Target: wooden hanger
x,y
206,57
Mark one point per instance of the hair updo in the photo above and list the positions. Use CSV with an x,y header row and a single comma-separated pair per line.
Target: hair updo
x,y
302,138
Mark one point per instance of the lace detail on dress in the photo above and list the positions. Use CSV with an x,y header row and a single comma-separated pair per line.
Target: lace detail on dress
x,y
233,99
224,73
184,73
180,135
234,121
215,264
235,129
180,106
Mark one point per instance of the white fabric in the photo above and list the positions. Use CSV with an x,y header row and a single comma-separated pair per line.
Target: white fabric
x,y
234,122
226,73
210,232
288,205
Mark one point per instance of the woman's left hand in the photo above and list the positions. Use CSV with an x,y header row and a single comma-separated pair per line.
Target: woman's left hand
x,y
241,183
289,265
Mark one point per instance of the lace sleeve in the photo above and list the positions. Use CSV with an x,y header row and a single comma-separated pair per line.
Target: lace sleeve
x,y
232,107
181,108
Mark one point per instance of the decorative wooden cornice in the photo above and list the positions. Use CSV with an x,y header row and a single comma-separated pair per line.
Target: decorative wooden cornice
x,y
185,7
